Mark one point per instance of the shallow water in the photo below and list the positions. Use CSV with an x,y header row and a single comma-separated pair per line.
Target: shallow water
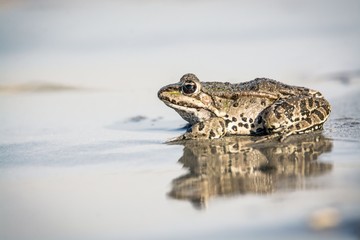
x,y
73,166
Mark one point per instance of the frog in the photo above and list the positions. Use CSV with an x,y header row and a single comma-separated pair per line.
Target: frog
x,y
259,107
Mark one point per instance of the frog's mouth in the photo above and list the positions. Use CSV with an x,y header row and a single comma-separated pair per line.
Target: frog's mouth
x,y
187,108
180,105
191,113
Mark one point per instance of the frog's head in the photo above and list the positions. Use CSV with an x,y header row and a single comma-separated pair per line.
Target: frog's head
x,y
188,99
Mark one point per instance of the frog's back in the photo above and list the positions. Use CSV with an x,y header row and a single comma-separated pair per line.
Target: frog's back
x,y
264,85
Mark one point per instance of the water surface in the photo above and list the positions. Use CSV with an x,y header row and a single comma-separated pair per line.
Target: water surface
x,y
72,168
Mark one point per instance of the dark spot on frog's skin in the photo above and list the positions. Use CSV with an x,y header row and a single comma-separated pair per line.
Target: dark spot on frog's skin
x,y
296,119
234,97
234,128
259,120
234,119
303,104
311,102
227,121
226,116
308,120
252,125
167,99
173,101
287,106
246,125
327,109
297,126
241,115
240,124
251,120
201,126
263,102
182,103
289,114
236,104
289,109
305,113
212,134
244,119
253,101
319,114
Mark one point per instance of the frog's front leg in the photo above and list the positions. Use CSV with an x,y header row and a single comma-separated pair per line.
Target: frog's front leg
x,y
208,129
296,114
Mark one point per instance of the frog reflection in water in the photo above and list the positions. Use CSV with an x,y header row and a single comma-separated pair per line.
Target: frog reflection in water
x,y
258,107
235,165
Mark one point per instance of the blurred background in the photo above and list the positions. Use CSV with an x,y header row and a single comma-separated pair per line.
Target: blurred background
x,y
133,45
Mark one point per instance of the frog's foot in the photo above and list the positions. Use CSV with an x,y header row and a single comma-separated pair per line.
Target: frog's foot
x,y
209,129
265,138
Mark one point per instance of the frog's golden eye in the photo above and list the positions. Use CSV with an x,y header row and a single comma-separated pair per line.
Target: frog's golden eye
x,y
189,87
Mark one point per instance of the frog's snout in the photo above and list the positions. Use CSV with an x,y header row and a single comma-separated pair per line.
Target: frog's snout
x,y
164,92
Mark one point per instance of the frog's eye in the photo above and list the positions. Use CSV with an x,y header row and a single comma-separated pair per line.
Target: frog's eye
x,y
189,87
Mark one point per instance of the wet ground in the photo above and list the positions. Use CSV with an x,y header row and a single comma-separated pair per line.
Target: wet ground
x,y
71,167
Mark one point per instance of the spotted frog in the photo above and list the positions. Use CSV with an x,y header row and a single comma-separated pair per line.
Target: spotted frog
x,y
259,107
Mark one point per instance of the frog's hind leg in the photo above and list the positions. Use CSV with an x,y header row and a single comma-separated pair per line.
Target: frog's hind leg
x,y
296,115
209,129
